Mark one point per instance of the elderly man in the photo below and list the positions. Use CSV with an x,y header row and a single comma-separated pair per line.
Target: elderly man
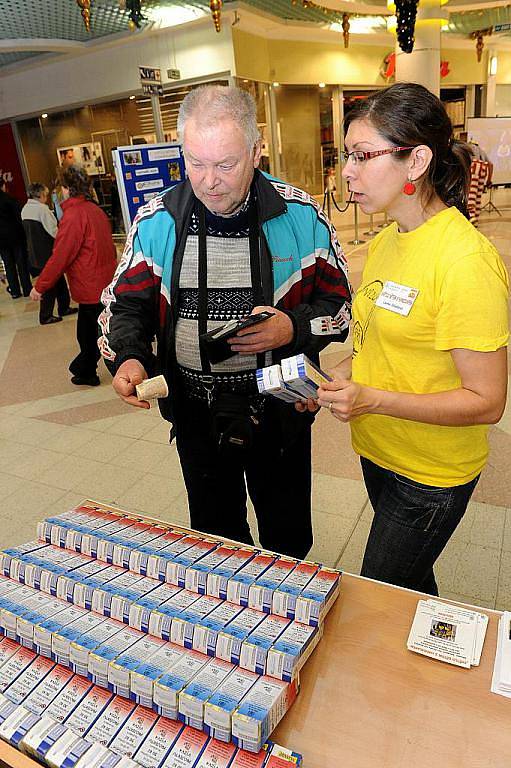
x,y
40,227
227,243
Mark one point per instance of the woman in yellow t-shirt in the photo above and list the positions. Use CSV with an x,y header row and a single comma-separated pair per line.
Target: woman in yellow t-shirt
x,y
430,327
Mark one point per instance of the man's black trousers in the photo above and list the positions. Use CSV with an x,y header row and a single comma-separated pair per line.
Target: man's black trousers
x,y
278,481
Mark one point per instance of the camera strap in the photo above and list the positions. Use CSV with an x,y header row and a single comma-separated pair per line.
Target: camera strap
x,y
208,381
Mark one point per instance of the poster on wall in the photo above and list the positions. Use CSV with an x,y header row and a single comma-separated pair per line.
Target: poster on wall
x,y
143,171
89,156
10,166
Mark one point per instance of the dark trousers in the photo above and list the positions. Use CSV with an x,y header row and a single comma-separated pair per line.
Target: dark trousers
x,y
17,270
278,482
86,362
412,524
59,293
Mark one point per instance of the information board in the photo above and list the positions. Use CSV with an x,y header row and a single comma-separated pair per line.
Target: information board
x,y
493,134
143,171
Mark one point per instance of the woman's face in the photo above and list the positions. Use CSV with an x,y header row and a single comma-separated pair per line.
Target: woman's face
x,y
376,183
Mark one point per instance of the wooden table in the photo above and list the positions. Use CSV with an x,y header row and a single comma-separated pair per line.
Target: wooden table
x,y
368,702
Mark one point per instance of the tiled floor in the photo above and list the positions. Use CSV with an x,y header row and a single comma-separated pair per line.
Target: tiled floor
x,y
60,444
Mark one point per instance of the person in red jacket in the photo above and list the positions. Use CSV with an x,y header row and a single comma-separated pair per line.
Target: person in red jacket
x,y
85,251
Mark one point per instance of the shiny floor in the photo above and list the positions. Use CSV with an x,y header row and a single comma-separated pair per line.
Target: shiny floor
x,y
60,444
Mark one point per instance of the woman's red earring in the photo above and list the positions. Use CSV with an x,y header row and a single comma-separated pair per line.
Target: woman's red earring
x,y
409,188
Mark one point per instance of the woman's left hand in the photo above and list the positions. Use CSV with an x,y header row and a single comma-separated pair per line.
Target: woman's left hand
x,y
344,398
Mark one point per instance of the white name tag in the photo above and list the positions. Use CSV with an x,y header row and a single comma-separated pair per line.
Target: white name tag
x,y
397,298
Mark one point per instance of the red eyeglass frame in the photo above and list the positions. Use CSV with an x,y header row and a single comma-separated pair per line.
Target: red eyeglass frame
x,y
368,155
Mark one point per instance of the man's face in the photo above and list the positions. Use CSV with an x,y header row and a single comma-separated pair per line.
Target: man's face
x,y
219,163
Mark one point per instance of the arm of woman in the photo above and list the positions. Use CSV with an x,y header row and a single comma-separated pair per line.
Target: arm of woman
x,y
479,400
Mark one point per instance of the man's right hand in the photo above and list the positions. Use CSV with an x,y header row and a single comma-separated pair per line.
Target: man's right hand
x,y
129,374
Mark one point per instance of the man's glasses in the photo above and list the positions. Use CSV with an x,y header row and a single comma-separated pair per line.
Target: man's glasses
x,y
359,156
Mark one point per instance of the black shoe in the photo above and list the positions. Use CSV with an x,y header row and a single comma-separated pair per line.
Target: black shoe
x,y
50,320
88,381
15,295
70,311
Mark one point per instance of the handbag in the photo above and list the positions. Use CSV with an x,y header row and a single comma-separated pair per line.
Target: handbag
x,y
234,421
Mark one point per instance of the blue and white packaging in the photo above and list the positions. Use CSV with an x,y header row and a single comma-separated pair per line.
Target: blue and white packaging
x,y
167,688
284,597
317,598
183,625
121,603
260,593
228,644
14,666
291,650
66,583
139,557
303,376
101,656
62,638
194,696
121,668
17,725
41,737
255,647
261,710
160,620
271,382
121,585
157,563
81,647
205,632
196,574
239,584
66,751
219,708
140,610
44,631
217,580
175,572
143,678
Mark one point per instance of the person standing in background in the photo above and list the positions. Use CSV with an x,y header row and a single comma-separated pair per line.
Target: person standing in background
x,y
85,251
12,244
40,227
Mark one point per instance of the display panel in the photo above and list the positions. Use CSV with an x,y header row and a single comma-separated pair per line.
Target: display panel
x,y
493,134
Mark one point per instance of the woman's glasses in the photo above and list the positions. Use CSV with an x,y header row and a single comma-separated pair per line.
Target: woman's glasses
x,y
359,156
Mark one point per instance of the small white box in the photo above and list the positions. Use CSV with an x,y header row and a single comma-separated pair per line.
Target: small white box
x,y
199,690
261,710
220,706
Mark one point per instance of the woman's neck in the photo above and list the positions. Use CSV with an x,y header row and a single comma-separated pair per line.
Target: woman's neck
x,y
413,213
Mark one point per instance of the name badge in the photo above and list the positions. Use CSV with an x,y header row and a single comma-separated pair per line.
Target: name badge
x,y
397,298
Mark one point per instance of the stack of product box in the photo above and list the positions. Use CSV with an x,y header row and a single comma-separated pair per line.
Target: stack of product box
x,y
166,623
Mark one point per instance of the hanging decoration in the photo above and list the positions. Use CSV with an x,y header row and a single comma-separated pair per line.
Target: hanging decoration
x,y
478,36
134,9
346,29
388,67
84,5
216,10
406,12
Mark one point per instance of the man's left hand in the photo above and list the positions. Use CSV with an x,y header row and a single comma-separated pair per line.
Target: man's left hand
x,y
35,295
275,332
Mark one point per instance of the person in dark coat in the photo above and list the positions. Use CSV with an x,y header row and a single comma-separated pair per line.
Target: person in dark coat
x,y
12,244
40,227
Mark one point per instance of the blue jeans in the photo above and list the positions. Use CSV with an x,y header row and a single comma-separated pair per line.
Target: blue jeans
x,y
412,524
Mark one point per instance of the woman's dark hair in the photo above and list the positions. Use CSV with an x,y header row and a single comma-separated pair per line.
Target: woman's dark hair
x,y
76,180
35,190
407,114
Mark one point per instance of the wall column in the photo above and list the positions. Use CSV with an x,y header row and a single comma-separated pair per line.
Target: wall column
x,y
422,65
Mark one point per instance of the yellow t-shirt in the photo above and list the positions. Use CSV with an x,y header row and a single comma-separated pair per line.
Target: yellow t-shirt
x,y
462,298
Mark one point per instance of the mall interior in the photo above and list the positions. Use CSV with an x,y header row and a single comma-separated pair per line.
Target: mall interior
x,y
306,64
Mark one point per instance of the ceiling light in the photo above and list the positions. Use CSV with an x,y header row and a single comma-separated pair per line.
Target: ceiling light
x,y
321,85
276,85
493,65
45,114
171,16
131,98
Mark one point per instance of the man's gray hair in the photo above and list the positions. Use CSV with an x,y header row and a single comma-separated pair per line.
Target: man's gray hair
x,y
35,190
209,104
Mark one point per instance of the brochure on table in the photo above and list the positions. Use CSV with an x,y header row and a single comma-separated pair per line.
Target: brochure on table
x,y
143,171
